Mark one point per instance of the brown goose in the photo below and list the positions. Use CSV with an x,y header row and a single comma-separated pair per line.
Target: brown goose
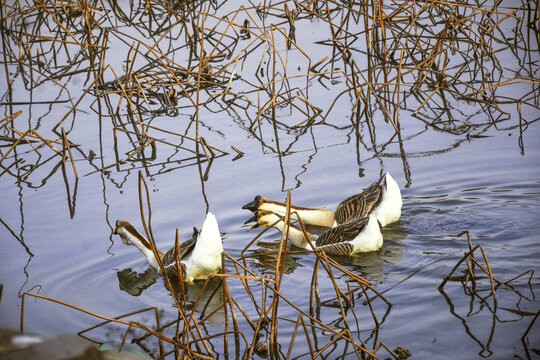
x,y
200,256
358,235
381,199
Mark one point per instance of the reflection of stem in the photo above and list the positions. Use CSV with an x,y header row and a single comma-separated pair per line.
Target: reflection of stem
x,y
463,321
71,204
201,176
66,145
523,342
406,169
19,239
520,139
491,333
199,72
25,270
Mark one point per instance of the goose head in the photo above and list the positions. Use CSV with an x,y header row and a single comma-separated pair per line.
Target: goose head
x,y
128,233
254,205
262,203
130,236
263,218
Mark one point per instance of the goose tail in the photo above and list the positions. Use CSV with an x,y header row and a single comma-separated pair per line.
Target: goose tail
x,y
206,256
209,239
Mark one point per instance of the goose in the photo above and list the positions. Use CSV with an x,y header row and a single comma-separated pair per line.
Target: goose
x,y
358,235
381,199
200,256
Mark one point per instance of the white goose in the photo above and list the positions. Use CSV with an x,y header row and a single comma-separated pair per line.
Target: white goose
x,y
358,235
381,199
200,256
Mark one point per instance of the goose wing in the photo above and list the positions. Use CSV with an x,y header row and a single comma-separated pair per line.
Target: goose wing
x,y
342,233
360,204
186,248
338,249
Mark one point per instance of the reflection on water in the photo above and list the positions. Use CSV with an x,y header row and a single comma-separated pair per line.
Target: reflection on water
x,y
135,283
483,301
208,299
266,255
369,265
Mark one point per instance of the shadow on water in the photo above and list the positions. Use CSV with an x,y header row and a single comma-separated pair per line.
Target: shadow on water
x,y
369,265
209,300
212,102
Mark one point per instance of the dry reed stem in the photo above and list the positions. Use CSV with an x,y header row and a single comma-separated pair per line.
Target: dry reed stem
x,y
148,231
131,323
23,137
325,261
156,314
382,344
9,119
516,277
79,100
293,337
31,134
447,277
305,314
124,93
197,99
525,334
470,272
279,274
327,328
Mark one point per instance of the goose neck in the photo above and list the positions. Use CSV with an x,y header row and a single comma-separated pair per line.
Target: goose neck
x,y
296,235
143,245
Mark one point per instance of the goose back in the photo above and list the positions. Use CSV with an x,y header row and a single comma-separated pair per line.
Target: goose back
x,y
360,204
342,233
169,258
338,249
358,235
200,256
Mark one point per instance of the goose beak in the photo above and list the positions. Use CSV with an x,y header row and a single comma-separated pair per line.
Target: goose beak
x,y
252,206
251,219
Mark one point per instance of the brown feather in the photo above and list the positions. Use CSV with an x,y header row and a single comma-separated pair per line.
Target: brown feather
x,y
338,249
342,233
186,248
360,204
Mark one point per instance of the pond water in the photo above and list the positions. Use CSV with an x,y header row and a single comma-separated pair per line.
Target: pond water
x,y
57,231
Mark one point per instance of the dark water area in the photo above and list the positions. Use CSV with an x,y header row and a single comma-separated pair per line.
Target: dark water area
x,y
56,231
